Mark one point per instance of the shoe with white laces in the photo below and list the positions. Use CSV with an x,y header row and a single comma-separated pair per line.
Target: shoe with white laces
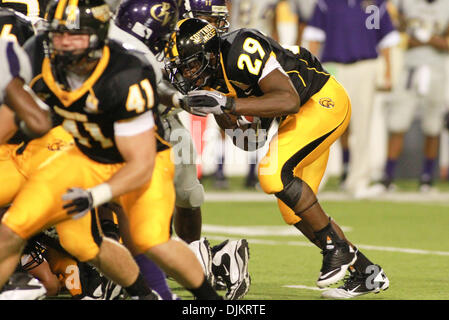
x,y
23,286
356,284
230,264
337,258
202,251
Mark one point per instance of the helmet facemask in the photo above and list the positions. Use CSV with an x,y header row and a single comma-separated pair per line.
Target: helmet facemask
x,y
192,73
193,61
86,19
218,19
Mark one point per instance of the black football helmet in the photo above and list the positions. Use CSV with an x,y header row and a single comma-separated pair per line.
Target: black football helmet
x,y
36,252
192,55
77,17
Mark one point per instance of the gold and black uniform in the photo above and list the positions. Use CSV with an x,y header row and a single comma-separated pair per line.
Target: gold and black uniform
x,y
30,8
245,53
301,147
121,88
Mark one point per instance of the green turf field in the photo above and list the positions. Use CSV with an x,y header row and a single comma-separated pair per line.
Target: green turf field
x,y
409,240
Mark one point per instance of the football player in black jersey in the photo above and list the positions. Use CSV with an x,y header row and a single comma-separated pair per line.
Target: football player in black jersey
x,y
104,96
245,73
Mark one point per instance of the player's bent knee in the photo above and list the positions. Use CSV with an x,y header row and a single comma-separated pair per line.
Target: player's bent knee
x,y
190,198
291,194
288,214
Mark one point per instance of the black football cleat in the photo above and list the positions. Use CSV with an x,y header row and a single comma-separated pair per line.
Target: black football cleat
x,y
357,283
336,260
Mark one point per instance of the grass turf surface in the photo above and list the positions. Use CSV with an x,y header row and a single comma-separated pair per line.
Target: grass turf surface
x,y
407,239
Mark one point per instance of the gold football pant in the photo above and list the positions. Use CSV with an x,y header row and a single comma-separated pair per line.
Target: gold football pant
x,y
39,203
16,165
301,147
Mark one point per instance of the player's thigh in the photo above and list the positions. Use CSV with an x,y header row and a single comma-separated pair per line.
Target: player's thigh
x,y
39,205
303,137
81,237
402,104
189,191
38,151
149,209
11,179
432,118
314,172
434,105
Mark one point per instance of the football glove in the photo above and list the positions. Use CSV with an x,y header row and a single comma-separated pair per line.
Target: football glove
x,y
203,102
80,202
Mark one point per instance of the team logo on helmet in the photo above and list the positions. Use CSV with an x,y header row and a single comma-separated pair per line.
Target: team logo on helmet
x,y
101,13
161,12
327,103
204,34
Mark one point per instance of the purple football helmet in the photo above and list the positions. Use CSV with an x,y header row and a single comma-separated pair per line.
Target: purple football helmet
x,y
213,11
150,21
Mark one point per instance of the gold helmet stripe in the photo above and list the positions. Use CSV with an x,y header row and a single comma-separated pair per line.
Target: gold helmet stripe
x,y
60,9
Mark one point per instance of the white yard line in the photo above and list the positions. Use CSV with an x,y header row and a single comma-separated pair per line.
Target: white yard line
x,y
308,244
415,197
300,286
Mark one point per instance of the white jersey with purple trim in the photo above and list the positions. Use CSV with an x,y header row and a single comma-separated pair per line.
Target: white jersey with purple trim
x,y
14,63
424,19
255,14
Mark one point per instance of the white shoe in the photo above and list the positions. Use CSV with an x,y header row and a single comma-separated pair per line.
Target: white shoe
x,y
230,264
23,286
373,191
357,284
202,251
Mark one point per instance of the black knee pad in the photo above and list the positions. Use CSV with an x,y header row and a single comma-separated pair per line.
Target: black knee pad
x,y
291,193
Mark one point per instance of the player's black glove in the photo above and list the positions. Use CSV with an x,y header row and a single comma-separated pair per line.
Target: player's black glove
x,y
203,102
80,202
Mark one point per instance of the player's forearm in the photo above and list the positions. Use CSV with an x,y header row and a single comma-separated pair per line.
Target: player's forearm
x,y
131,176
314,47
272,104
386,54
168,95
7,125
139,154
27,106
439,43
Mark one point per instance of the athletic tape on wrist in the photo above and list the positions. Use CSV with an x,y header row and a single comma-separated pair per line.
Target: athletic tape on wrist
x,y
101,194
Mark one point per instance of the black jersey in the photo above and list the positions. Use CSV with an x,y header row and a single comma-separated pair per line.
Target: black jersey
x,y
30,8
122,86
244,54
15,26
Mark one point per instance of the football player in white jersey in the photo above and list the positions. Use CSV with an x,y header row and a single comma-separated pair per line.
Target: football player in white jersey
x,y
421,85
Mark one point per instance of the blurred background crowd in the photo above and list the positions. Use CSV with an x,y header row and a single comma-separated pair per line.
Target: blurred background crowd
x,y
392,58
